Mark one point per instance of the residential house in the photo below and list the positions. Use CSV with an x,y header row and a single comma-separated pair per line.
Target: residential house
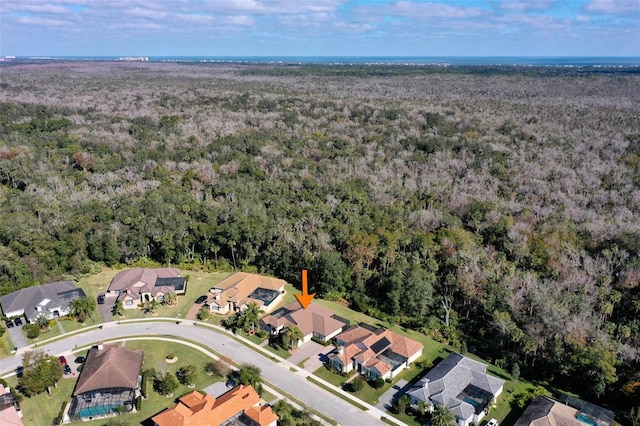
x,y
10,413
544,411
373,352
314,321
240,406
109,382
51,300
239,289
141,285
462,385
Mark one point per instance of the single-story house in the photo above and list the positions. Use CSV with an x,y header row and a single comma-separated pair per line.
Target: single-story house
x,y
110,378
462,385
141,285
373,352
10,413
239,289
314,321
51,300
573,412
240,406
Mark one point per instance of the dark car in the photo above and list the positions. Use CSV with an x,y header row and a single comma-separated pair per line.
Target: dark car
x,y
201,299
67,369
80,360
63,360
9,323
17,321
101,299
20,371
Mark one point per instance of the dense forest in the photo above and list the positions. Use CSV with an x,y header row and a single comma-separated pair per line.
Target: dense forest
x,y
497,209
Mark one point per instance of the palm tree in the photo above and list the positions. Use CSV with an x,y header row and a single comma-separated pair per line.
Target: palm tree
x,y
251,316
118,308
82,308
170,299
293,336
442,416
422,408
42,322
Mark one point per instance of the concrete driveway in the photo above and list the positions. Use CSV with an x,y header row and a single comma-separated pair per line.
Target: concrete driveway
x,y
17,337
391,396
105,309
313,354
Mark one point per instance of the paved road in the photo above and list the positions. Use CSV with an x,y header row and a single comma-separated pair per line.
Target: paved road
x,y
278,374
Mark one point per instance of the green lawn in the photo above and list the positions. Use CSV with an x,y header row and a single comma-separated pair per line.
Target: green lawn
x,y
42,409
198,284
6,344
331,377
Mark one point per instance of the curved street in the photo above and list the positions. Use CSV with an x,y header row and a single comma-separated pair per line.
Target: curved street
x,y
279,374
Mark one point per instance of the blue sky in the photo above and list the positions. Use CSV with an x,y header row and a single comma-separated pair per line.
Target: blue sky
x,y
320,27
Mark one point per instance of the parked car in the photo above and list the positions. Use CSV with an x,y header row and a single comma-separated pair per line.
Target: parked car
x,y
101,299
201,299
63,360
9,323
19,371
492,422
67,369
80,360
17,321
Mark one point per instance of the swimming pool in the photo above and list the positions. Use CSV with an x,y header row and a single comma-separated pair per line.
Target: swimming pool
x,y
99,410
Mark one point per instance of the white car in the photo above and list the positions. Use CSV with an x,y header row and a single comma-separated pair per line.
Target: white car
x,y
492,422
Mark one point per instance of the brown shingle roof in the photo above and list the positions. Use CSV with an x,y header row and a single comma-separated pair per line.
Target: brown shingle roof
x,y
313,319
239,285
354,334
195,409
109,367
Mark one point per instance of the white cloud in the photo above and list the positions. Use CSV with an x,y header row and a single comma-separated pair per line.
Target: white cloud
x,y
613,7
524,5
240,20
41,8
29,20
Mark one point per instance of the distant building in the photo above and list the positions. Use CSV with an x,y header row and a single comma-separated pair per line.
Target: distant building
x,y
462,385
544,411
10,413
141,285
239,289
108,384
373,352
314,321
240,406
51,300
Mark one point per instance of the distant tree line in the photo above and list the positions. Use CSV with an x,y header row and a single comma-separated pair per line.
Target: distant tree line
x,y
494,210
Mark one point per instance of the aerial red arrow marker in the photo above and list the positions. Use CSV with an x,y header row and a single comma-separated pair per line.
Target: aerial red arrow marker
x,y
304,298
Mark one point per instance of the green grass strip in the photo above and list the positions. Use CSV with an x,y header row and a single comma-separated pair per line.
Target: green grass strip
x,y
336,393
302,404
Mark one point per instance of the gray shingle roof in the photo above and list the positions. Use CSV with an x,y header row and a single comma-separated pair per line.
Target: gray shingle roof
x,y
448,382
109,367
49,297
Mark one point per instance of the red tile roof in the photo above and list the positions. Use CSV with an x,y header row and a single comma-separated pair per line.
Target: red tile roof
x,y
195,409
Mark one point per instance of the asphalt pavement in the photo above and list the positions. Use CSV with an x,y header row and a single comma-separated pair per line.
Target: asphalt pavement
x,y
279,374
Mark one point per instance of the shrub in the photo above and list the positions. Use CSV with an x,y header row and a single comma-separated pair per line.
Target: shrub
x,y
32,331
377,383
143,384
203,314
356,385
60,415
322,342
